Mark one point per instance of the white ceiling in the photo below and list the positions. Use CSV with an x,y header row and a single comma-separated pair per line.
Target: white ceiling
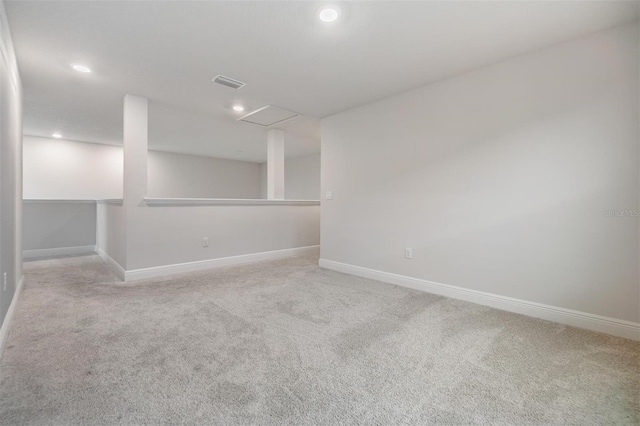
x,y
169,51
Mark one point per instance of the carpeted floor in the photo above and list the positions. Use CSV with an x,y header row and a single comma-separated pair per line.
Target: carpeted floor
x,y
285,342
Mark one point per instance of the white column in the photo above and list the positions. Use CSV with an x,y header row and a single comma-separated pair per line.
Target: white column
x,y
275,164
135,140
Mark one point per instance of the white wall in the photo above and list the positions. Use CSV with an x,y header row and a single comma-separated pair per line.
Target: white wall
x,y
61,169
263,181
57,225
111,232
499,179
188,176
10,170
301,178
160,236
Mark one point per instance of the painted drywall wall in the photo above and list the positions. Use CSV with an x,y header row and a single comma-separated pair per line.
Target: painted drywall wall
x,y
55,225
62,169
263,181
301,178
111,232
160,236
188,176
10,169
514,179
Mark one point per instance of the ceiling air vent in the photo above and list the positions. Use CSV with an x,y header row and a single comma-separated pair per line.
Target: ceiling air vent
x,y
226,81
268,116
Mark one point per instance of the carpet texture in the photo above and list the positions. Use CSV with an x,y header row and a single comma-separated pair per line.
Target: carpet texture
x,y
285,342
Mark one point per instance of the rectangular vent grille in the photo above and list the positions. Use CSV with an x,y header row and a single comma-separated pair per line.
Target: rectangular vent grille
x,y
226,81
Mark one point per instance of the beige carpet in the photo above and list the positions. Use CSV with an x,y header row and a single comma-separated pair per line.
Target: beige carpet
x,y
285,342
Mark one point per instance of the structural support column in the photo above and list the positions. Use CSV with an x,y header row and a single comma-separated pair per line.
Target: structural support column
x,y
275,164
135,141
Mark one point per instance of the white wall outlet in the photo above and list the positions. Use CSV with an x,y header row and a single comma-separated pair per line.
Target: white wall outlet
x,y
205,242
408,253
4,278
328,195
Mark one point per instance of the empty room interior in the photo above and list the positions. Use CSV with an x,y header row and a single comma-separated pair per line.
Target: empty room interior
x,y
320,213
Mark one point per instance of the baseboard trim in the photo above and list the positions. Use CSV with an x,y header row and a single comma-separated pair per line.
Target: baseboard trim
x,y
113,265
613,326
159,271
60,251
6,324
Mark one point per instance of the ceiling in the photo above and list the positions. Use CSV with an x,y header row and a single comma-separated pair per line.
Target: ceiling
x,y
169,51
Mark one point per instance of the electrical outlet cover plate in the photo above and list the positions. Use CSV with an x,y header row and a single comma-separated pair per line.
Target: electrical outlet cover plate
x,y
408,253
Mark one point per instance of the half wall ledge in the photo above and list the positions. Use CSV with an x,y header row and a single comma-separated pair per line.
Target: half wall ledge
x,y
159,202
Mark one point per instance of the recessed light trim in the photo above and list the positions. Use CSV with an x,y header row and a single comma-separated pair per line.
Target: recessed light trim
x,y
328,14
238,108
81,68
56,135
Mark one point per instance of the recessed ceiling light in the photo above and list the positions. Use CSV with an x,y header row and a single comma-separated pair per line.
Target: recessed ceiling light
x,y
328,14
57,135
238,108
80,68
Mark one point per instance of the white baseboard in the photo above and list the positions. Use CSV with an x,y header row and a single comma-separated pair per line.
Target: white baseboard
x,y
113,265
6,324
60,251
159,271
616,327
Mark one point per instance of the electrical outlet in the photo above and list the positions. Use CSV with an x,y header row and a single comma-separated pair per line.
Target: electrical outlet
x,y
205,242
408,253
328,195
4,278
